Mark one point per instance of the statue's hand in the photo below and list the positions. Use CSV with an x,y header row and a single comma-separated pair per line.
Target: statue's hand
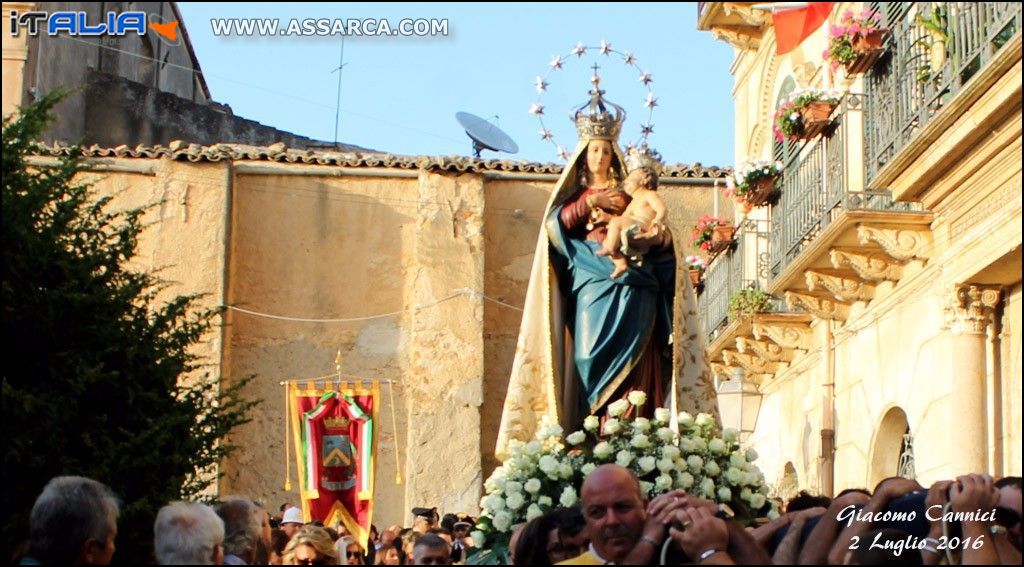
x,y
652,239
612,201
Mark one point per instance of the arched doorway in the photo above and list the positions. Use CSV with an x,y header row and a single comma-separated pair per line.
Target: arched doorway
x,y
892,453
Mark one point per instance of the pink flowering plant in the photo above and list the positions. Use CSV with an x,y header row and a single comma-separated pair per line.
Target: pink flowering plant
x,y
788,122
695,263
843,36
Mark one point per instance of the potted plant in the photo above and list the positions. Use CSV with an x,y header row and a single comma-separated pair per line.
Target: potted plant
x,y
936,26
754,182
805,114
696,266
749,301
712,233
856,43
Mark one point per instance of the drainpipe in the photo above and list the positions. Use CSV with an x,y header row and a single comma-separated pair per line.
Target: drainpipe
x,y
828,441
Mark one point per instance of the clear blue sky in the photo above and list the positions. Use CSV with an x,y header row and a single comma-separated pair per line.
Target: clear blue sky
x,y
400,94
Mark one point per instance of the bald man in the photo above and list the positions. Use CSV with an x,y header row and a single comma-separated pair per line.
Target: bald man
x,y
623,529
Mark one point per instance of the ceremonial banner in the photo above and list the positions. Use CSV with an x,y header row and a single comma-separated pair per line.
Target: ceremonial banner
x,y
335,446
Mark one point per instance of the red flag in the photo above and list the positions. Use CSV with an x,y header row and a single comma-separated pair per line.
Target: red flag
x,y
793,26
334,433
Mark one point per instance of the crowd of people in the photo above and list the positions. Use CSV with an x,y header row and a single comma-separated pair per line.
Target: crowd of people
x,y
972,519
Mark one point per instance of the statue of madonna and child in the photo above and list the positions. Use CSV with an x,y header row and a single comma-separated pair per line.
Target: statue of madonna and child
x,y
606,312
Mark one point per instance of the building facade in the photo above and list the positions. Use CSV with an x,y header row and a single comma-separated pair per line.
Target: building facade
x,y
892,342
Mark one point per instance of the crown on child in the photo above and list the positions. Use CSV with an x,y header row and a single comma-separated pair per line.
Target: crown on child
x,y
644,156
599,119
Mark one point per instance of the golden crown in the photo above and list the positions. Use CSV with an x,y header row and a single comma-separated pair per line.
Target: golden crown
x,y
337,422
599,118
644,156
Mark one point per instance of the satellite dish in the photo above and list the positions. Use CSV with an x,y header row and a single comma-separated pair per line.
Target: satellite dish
x,y
485,136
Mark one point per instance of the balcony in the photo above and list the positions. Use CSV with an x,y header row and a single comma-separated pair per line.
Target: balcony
x,y
736,340
736,23
828,233
914,96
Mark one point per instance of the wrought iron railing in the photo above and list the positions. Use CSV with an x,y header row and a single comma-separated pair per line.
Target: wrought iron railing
x,y
910,85
744,266
821,181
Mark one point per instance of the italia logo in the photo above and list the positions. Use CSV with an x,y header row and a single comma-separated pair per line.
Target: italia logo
x,y
79,24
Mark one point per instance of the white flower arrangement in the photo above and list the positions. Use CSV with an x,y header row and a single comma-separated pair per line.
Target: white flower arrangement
x,y
548,471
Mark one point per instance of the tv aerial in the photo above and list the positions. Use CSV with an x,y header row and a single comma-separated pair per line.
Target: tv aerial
x,y
485,136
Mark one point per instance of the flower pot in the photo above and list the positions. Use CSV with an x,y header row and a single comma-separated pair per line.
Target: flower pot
x,y
695,277
815,118
761,193
869,49
721,238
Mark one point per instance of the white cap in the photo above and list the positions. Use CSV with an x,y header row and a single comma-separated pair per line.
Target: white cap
x,y
292,515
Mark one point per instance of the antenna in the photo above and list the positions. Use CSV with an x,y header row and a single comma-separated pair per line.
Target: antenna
x,y
337,101
485,136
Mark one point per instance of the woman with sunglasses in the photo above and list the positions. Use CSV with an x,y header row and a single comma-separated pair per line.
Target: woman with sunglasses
x,y
311,545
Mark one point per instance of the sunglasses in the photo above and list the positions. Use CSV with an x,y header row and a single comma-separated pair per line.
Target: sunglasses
x,y
307,561
1006,517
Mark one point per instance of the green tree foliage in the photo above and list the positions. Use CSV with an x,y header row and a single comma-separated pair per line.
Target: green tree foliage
x,y
95,366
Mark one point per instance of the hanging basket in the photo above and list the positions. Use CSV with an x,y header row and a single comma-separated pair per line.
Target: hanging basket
x,y
695,278
869,49
764,190
815,118
721,238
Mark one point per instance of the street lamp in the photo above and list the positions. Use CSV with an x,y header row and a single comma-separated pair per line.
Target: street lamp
x,y
739,401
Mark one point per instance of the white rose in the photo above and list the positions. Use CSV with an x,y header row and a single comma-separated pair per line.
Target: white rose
x,y
591,423
730,435
642,424
545,501
686,444
666,465
750,478
588,468
751,455
724,494
568,497
695,463
734,476
623,458
612,426
637,398
705,420
737,460
684,419
532,486
617,408
565,471
684,480
670,452
602,450
745,494
515,501
533,511
707,488
663,483
502,521
711,468
494,503
548,465
646,488
773,514
477,537
640,441
576,437
662,415
647,464
717,446
757,501
513,487
533,448
664,435
554,430
699,446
